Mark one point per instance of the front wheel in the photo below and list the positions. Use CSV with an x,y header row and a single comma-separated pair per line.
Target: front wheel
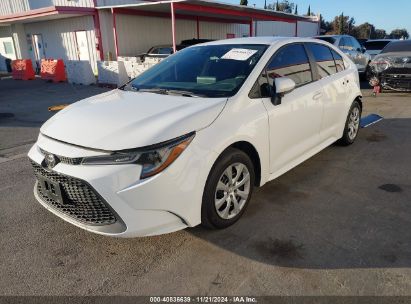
x,y
352,125
228,189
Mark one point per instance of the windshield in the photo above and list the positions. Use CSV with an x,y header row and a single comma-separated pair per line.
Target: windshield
x,y
210,71
398,46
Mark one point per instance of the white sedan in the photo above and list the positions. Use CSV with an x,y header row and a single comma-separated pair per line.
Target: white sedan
x,y
187,141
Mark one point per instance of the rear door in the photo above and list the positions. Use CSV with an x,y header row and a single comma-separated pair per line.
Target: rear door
x,y
332,77
295,123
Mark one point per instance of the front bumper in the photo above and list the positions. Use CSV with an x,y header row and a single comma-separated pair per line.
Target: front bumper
x,y
398,82
165,203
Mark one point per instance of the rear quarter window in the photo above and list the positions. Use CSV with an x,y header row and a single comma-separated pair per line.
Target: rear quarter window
x,y
324,58
339,61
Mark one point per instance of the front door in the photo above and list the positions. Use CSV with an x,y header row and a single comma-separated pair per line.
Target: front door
x,y
295,123
82,46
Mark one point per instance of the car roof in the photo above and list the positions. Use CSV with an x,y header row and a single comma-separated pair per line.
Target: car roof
x,y
269,40
333,36
380,40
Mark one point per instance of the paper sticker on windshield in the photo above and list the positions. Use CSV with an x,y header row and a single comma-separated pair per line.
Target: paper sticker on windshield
x,y
239,54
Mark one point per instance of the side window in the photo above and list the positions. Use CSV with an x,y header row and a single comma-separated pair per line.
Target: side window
x,y
342,44
290,61
355,44
339,61
324,58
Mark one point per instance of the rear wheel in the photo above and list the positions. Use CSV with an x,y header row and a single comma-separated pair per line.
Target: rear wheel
x,y
228,189
352,125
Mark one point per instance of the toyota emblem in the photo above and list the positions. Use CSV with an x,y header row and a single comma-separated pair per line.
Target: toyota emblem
x,y
50,160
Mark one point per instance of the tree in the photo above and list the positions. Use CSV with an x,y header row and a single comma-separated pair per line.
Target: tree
x,y
364,31
399,34
244,2
296,10
341,24
326,27
283,6
309,11
379,34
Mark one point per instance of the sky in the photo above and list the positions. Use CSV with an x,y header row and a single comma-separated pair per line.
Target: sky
x,y
377,12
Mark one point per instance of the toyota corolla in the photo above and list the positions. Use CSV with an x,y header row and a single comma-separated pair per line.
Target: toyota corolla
x,y
186,142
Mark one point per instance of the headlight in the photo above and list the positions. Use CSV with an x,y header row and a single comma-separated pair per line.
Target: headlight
x,y
380,64
153,160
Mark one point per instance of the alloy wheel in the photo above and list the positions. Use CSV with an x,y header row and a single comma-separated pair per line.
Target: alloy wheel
x,y
232,191
353,123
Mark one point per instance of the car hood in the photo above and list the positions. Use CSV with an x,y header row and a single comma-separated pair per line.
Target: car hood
x,y
119,120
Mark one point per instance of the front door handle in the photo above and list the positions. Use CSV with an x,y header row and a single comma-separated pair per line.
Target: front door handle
x,y
317,95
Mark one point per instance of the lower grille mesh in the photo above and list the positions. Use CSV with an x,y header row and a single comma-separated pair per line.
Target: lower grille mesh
x,y
81,201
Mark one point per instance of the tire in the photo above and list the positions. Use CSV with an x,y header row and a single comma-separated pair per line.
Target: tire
x,y
352,125
218,207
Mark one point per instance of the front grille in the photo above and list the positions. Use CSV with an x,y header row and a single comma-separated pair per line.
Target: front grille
x,y
81,202
397,81
64,159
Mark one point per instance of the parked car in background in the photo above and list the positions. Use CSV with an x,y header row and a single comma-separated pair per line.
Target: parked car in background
x,y
194,41
352,48
361,41
187,141
392,67
163,51
159,51
374,47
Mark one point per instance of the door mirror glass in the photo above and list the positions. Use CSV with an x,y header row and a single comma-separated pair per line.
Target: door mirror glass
x,y
284,85
363,50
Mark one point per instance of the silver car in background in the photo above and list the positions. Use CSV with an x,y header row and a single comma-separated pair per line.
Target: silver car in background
x,y
352,48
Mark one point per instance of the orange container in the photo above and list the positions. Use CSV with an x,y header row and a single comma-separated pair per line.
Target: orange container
x,y
53,70
22,69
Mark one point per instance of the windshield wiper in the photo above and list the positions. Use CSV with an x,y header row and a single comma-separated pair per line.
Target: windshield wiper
x,y
183,93
154,90
167,92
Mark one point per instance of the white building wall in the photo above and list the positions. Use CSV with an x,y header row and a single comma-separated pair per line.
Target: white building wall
x,y
34,4
136,34
214,30
274,28
118,2
59,37
20,41
8,7
5,31
107,35
307,29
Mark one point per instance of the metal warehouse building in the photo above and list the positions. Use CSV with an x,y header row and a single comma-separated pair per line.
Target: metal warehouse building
x,y
97,30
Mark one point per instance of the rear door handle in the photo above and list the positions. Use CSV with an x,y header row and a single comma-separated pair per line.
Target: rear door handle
x,y
317,95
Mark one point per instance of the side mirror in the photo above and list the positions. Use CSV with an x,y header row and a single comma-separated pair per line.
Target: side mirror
x,y
362,50
282,86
